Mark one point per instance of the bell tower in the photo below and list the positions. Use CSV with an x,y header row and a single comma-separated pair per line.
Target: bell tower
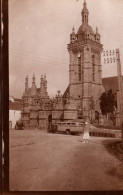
x,y
85,71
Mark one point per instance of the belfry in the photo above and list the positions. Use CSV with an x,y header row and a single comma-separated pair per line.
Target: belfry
x,y
82,97
85,71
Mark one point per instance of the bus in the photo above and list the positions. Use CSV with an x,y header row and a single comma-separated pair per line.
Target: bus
x,y
68,127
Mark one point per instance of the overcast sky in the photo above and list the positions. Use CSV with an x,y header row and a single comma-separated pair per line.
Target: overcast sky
x,y
39,31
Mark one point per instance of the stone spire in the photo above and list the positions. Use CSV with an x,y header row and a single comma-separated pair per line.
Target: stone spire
x,y
41,80
85,13
73,35
97,35
45,85
96,30
33,81
26,83
73,29
42,85
44,76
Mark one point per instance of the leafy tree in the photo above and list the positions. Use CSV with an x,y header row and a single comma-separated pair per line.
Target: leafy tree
x,y
108,103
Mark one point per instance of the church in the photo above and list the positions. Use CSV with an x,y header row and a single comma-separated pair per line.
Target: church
x,y
82,96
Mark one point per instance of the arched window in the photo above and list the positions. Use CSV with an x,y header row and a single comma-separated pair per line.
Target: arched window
x,y
79,67
93,68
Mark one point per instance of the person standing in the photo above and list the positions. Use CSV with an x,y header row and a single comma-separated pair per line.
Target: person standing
x,y
86,132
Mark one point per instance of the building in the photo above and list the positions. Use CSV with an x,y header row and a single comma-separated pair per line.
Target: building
x,y
85,71
15,107
112,83
81,97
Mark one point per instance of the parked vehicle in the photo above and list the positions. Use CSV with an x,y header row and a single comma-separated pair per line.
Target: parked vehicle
x,y
19,125
68,127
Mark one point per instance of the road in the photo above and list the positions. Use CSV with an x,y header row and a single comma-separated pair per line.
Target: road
x,y
56,162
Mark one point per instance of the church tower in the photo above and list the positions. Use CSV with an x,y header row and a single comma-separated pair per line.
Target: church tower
x,y
85,72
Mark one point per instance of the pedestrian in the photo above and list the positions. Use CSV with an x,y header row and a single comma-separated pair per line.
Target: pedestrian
x,y
86,132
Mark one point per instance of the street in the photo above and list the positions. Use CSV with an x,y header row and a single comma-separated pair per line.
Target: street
x,y
55,162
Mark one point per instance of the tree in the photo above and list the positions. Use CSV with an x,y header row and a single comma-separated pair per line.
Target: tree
x,y
108,103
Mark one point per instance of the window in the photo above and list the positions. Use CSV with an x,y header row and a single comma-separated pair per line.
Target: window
x,y
73,123
79,67
93,68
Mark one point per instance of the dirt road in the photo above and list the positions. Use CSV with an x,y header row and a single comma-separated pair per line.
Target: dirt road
x,y
55,162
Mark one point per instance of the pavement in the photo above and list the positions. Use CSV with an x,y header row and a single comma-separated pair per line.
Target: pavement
x,y
55,162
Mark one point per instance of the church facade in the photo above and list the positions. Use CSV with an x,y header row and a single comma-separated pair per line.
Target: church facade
x,y
82,97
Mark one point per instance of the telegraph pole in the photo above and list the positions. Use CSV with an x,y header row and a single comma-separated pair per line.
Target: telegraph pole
x,y
120,84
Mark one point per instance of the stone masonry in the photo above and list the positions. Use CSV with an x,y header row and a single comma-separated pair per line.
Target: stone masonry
x,y
81,98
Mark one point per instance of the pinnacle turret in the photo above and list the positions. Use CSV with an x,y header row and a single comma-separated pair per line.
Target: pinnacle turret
x,y
26,83
85,13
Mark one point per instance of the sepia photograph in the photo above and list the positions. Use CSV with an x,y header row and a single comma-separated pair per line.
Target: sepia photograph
x,y
65,95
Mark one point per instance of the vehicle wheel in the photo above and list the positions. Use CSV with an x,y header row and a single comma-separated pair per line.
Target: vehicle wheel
x,y
68,132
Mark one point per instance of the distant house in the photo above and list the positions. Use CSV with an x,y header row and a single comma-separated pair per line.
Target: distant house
x,y
111,83
15,106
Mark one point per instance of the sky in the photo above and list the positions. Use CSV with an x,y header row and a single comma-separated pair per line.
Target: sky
x,y
39,31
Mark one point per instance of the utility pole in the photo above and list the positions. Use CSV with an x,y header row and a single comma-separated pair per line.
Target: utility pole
x,y
120,84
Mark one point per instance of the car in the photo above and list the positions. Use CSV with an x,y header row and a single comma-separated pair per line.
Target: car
x,y
19,125
68,127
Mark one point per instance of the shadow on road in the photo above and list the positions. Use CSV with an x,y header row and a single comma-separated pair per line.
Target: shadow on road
x,y
114,147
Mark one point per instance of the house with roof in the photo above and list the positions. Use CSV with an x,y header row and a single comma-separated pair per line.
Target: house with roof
x,y
15,107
